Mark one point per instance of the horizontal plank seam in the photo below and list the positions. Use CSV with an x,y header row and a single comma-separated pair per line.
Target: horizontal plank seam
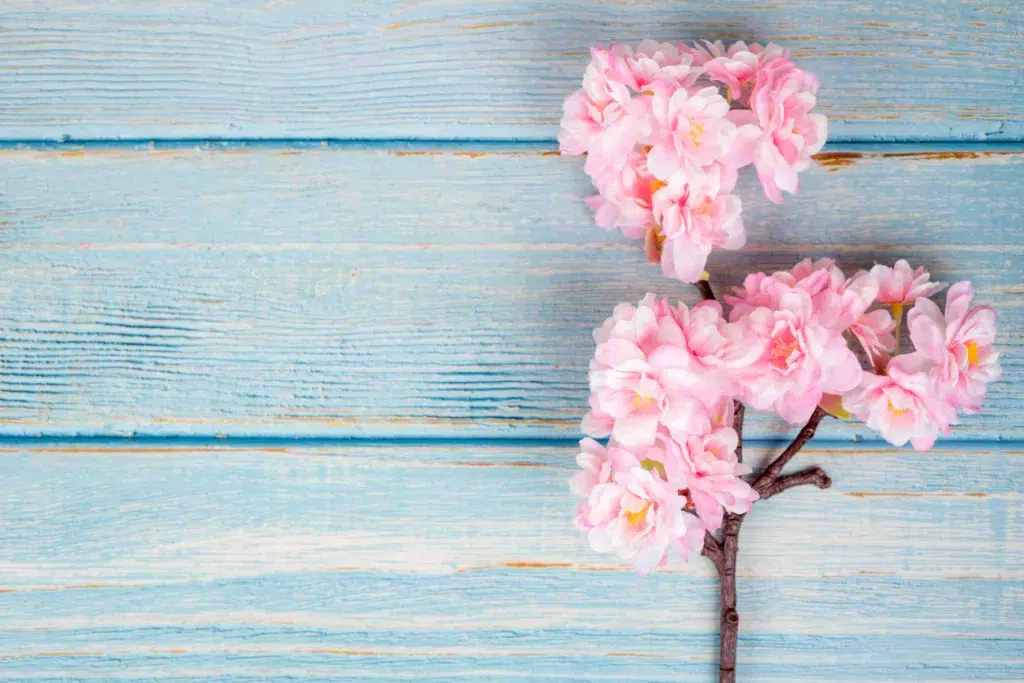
x,y
1009,144
299,441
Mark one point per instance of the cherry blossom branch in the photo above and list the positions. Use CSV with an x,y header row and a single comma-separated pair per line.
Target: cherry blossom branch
x,y
814,475
772,472
701,444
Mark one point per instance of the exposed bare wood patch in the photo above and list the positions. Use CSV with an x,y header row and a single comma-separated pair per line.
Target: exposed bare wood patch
x,y
834,161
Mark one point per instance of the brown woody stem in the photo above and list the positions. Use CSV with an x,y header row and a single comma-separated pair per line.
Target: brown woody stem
x,y
814,475
729,618
773,470
712,549
739,410
705,290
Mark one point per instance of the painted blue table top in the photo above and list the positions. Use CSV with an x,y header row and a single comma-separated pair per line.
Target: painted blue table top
x,y
295,312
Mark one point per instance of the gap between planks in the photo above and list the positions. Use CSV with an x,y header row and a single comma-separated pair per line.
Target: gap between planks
x,y
898,147
141,443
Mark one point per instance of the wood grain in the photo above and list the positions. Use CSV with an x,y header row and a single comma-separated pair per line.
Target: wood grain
x,y
339,292
434,301
350,562
125,514
913,70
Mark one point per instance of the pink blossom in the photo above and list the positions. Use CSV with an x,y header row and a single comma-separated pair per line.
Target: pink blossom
x,y
700,355
738,66
588,112
620,321
779,134
899,284
874,331
653,62
639,516
635,399
802,359
596,423
959,343
704,466
720,409
625,201
595,463
815,277
904,404
704,51
819,279
601,119
694,219
628,391
647,115
757,291
839,304
842,305
612,64
688,130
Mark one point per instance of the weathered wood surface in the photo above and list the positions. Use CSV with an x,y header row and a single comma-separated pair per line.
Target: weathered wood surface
x,y
446,562
291,295
339,292
910,70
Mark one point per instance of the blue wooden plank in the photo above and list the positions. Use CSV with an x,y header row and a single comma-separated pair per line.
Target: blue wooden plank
x,y
131,515
843,658
350,563
492,608
918,69
425,292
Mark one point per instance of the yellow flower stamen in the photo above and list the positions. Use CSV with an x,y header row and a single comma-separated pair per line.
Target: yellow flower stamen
x,y
634,518
696,133
641,402
972,352
781,350
896,412
704,209
657,185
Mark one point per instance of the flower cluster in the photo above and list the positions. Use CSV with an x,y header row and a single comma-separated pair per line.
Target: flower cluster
x,y
916,396
667,127
664,380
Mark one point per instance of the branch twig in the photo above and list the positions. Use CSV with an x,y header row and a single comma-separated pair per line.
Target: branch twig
x,y
772,472
814,475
